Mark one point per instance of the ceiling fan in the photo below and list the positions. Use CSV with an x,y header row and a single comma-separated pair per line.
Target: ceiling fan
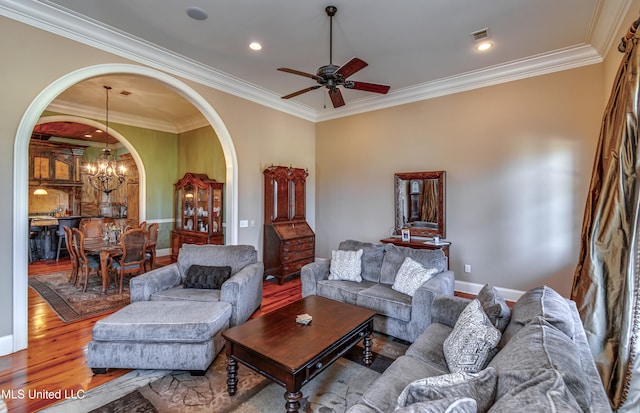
x,y
331,76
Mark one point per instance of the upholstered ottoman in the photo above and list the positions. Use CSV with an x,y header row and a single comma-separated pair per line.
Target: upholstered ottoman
x,y
166,335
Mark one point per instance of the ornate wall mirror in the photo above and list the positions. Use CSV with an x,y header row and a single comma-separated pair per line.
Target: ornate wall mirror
x,y
420,203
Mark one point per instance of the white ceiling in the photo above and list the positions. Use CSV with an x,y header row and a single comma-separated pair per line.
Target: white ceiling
x,y
420,48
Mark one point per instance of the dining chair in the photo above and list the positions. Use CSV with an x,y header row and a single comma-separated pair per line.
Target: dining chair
x,y
92,229
87,264
68,234
132,259
150,248
64,223
143,225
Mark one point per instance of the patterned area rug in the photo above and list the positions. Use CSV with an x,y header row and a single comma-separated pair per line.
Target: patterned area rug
x,y
71,303
335,390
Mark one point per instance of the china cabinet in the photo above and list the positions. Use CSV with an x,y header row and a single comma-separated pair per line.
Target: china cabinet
x,y
57,166
289,241
198,212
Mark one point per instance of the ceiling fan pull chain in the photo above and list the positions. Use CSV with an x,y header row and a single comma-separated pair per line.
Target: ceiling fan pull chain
x,y
331,11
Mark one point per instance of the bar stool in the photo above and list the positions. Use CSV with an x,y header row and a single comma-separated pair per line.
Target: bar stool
x,y
33,247
65,222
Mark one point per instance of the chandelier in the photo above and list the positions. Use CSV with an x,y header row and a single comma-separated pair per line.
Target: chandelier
x,y
105,174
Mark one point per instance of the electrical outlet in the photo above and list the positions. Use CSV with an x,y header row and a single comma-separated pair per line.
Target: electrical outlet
x,y
244,223
467,268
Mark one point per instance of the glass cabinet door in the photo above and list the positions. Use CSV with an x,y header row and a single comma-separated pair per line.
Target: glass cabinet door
x,y
217,210
189,208
180,211
202,211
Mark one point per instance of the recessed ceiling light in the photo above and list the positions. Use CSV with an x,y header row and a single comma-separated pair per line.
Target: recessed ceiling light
x,y
255,46
197,13
484,46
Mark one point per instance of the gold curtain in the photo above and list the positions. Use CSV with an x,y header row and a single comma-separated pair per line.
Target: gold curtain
x,y
605,285
430,200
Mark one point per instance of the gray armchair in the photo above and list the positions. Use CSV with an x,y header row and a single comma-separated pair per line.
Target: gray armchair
x,y
243,290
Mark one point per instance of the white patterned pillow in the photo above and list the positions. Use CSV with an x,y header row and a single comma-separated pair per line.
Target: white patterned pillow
x,y
449,390
346,265
473,341
411,275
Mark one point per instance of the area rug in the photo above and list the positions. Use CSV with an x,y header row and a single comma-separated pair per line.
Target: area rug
x,y
71,303
334,390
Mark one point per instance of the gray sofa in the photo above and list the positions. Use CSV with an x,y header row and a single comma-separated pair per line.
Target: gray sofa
x,y
399,315
543,364
243,290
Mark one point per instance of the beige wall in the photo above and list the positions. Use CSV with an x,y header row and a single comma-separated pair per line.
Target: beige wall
x,y
518,159
199,151
261,136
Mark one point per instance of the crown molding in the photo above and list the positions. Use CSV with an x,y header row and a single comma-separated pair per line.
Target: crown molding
x,y
520,69
607,19
44,15
63,22
75,109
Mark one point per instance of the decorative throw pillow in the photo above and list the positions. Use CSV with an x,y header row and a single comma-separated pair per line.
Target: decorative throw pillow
x,y
394,257
480,387
461,405
372,255
206,277
346,265
473,341
411,276
495,306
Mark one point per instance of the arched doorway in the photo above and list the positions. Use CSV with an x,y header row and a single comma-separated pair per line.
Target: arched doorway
x,y
21,176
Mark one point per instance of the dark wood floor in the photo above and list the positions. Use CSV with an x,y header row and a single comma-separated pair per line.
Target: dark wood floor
x,y
55,358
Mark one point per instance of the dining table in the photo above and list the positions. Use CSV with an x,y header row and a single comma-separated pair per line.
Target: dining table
x,y
105,249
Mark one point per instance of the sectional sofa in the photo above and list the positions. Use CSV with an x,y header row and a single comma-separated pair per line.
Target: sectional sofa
x,y
541,363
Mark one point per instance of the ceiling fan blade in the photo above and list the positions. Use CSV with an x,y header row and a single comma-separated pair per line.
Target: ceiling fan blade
x,y
299,73
368,87
336,97
299,92
351,67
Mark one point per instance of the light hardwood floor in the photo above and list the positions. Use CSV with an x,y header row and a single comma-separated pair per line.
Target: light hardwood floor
x,y
55,358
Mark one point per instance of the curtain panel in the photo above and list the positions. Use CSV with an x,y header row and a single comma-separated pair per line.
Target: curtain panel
x,y
606,281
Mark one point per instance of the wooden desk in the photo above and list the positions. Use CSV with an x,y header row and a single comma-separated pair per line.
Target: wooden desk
x,y
420,243
105,250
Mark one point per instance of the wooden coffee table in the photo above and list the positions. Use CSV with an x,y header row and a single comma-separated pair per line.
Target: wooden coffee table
x,y
291,354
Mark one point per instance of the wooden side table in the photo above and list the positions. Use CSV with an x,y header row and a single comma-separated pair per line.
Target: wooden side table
x,y
420,243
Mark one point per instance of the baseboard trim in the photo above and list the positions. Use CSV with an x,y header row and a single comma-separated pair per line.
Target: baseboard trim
x,y
6,345
163,252
473,288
